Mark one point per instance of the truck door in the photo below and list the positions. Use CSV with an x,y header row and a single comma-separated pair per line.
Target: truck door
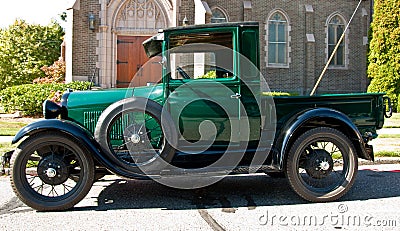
x,y
203,91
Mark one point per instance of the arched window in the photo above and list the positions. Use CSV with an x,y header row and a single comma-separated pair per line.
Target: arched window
x,y
277,40
336,27
218,16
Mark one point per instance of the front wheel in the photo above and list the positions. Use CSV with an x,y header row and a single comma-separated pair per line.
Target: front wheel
x,y
51,172
322,165
136,135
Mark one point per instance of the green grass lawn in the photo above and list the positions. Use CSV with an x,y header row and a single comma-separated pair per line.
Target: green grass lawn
x,y
5,147
10,128
387,154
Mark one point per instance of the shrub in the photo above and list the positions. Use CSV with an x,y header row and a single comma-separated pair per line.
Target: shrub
x,y
54,73
28,98
25,48
276,93
398,106
208,75
384,55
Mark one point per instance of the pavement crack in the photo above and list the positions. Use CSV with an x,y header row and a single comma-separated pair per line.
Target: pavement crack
x,y
201,200
210,220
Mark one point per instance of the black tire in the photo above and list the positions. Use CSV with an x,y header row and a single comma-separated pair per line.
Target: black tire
x,y
276,174
51,172
322,165
130,133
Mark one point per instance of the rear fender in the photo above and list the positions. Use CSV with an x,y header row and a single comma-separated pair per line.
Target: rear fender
x,y
336,120
80,135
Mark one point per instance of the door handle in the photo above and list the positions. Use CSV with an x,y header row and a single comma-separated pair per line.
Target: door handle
x,y
236,96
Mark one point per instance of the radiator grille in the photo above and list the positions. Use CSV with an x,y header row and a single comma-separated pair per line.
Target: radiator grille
x,y
90,119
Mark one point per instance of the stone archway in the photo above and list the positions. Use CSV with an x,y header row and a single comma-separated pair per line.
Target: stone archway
x,y
136,21
140,16
119,18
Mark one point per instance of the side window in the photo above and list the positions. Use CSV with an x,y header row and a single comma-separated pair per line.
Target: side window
x,y
278,40
336,27
201,56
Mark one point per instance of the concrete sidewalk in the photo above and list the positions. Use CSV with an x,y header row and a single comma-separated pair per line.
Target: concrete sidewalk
x,y
389,131
6,139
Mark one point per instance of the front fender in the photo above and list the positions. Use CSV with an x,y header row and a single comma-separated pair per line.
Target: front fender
x,y
64,126
336,118
81,135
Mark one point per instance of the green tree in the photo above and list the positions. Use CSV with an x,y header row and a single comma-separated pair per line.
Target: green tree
x,y
25,48
384,55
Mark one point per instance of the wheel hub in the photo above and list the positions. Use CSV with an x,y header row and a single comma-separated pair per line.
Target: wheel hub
x,y
134,133
135,138
138,144
324,165
53,170
319,164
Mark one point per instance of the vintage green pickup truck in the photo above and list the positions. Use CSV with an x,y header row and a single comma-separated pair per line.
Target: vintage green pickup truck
x,y
210,114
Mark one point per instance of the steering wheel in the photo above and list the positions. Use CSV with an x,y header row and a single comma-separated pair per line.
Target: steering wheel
x,y
182,72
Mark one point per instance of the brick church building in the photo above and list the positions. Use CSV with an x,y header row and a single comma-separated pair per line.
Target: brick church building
x,y
103,38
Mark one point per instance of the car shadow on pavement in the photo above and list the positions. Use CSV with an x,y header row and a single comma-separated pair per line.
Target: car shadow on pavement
x,y
232,192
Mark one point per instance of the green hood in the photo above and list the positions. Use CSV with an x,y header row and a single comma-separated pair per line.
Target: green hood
x,y
103,98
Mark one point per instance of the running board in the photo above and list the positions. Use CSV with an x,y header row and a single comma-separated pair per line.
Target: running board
x,y
218,171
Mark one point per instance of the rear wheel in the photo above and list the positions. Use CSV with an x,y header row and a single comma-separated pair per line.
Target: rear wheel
x,y
51,172
322,165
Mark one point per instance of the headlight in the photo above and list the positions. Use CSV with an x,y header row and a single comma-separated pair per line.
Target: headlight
x,y
51,110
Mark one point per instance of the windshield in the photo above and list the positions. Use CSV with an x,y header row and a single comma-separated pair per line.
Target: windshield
x,y
201,55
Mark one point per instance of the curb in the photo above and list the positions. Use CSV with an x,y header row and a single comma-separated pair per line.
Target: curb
x,y
17,114
380,160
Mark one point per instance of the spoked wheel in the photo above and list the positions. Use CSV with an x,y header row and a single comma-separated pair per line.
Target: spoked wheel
x,y
135,137
322,165
51,172
130,133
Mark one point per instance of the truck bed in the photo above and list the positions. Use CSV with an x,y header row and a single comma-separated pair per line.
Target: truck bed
x,y
364,109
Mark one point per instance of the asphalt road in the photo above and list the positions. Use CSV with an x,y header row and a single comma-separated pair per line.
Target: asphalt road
x,y
255,202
